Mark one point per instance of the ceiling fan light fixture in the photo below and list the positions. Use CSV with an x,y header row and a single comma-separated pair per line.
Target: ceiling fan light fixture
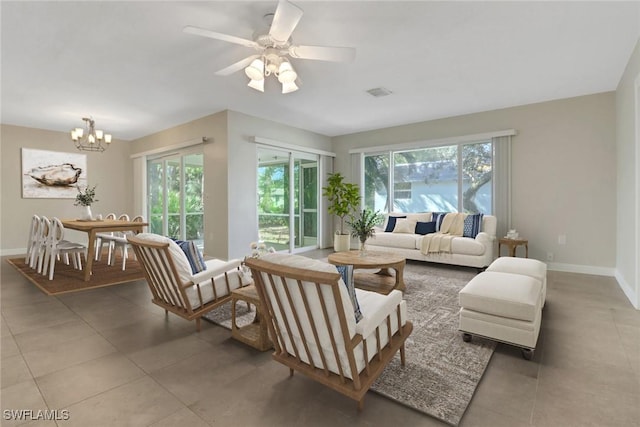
x,y
257,84
274,48
286,73
255,71
289,87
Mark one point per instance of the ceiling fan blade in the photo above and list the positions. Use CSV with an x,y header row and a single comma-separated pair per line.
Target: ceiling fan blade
x,y
323,53
237,66
219,36
285,20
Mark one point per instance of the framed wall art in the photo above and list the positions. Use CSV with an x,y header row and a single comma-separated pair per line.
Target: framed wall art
x,y
52,174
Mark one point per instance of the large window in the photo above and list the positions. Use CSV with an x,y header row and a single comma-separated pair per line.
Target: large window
x,y
175,206
451,178
287,199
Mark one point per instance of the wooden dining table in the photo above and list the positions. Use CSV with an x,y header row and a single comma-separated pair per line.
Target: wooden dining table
x,y
99,226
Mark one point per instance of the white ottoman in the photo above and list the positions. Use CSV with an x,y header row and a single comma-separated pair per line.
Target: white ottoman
x,y
505,307
526,266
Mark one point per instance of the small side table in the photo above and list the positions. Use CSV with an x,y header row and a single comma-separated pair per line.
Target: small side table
x,y
254,334
512,244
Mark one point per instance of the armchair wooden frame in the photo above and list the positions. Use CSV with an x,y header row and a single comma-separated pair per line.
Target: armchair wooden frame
x,y
166,287
354,385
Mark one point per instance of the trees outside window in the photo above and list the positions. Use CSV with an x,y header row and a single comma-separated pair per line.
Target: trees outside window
x,y
452,178
175,189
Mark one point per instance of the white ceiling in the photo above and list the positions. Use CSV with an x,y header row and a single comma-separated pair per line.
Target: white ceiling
x,y
130,66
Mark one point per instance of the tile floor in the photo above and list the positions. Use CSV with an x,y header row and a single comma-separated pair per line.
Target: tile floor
x,y
111,358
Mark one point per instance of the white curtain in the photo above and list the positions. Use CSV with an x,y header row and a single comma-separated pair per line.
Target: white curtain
x,y
502,183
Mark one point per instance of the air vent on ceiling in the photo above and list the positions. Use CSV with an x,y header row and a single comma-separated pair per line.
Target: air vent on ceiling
x,y
379,91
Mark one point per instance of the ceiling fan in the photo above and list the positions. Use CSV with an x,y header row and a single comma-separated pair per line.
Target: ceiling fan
x,y
273,49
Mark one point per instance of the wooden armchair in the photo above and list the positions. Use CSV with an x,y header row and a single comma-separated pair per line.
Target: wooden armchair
x,y
313,327
175,288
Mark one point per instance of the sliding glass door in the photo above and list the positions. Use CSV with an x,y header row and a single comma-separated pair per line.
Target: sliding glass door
x,y
175,188
287,199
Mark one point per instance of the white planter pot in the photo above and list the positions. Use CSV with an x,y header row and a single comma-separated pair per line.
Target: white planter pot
x,y
341,242
85,213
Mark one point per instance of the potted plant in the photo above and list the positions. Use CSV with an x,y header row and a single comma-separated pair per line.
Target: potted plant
x,y
85,199
363,226
343,198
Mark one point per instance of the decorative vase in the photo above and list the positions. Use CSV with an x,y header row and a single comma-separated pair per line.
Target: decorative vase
x,y
363,247
86,213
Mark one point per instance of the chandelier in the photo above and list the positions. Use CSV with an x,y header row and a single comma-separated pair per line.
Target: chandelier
x,y
90,139
267,65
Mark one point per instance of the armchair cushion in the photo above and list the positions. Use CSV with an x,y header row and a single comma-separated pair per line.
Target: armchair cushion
x,y
179,258
346,271
193,255
376,307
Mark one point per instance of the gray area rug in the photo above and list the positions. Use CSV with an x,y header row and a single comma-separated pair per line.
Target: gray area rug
x,y
442,371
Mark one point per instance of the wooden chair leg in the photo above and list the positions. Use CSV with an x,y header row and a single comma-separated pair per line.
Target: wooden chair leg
x,y
198,324
361,404
402,356
290,372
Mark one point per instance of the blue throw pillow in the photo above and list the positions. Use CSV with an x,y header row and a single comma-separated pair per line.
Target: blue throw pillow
x,y
347,277
472,224
438,217
391,223
193,255
425,227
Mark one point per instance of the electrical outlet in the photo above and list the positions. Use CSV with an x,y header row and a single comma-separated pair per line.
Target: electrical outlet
x,y
549,256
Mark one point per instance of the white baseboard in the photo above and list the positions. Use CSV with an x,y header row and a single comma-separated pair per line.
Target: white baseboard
x,y
628,290
18,251
599,271
584,269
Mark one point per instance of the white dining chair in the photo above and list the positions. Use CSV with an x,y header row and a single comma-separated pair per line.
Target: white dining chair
x,y
110,239
41,244
102,238
32,240
123,243
56,246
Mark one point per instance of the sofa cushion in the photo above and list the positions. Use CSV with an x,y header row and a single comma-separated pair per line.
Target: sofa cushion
x,y
503,294
420,217
425,227
467,246
405,226
459,246
391,222
438,217
394,240
472,224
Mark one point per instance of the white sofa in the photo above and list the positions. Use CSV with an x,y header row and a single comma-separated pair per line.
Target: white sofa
x,y
466,251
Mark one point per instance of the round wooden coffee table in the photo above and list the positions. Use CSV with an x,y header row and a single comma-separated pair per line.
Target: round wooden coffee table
x,y
382,281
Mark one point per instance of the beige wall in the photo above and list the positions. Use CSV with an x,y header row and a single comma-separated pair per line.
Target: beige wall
x,y
214,128
243,162
563,173
109,170
230,162
628,173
